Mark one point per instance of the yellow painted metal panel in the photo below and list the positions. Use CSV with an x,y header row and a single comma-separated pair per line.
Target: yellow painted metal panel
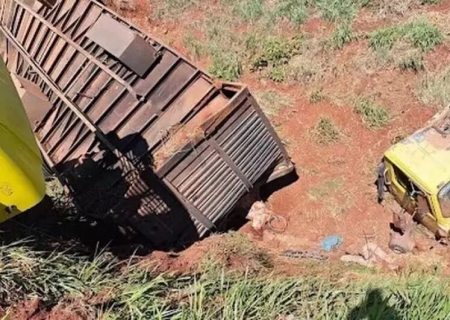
x,y
22,184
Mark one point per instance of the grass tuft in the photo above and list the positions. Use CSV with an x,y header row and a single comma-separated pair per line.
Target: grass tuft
x,y
385,38
295,11
326,131
424,35
420,34
342,35
337,10
249,10
435,89
226,66
373,116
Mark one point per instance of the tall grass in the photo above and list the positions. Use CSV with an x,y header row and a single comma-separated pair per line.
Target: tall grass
x,y
110,289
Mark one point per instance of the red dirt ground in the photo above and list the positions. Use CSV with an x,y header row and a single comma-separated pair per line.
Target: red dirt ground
x,y
352,210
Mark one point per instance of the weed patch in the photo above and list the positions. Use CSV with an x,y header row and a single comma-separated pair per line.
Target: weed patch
x,y
421,34
249,10
295,11
226,66
373,116
435,89
337,10
342,35
326,131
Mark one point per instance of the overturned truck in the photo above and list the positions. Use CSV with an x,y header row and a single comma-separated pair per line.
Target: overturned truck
x,y
132,129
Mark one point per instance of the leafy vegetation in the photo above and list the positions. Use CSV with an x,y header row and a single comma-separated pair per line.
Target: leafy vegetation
x,y
421,34
326,131
435,88
372,115
342,35
296,11
337,10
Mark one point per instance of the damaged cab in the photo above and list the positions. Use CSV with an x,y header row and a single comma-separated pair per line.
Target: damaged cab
x,y
416,172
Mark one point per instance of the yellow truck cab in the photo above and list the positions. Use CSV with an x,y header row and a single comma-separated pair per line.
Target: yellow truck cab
x,y
22,183
416,171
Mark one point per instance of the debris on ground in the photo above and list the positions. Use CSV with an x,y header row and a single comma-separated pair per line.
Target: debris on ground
x,y
331,242
298,254
371,255
259,215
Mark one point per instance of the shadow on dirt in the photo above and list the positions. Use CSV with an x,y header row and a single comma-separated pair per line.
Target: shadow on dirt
x,y
374,307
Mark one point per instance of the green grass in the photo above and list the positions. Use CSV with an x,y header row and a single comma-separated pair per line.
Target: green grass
x,y
435,89
295,11
326,131
273,102
126,290
420,34
373,116
337,10
249,10
342,35
226,66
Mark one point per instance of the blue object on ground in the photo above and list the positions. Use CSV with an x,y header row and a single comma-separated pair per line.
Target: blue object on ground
x,y
331,242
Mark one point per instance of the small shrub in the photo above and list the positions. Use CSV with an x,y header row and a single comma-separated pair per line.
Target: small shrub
x,y
435,89
373,116
226,66
326,131
414,63
342,35
337,10
296,11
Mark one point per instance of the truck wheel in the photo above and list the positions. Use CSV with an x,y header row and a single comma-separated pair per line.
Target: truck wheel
x,y
401,244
